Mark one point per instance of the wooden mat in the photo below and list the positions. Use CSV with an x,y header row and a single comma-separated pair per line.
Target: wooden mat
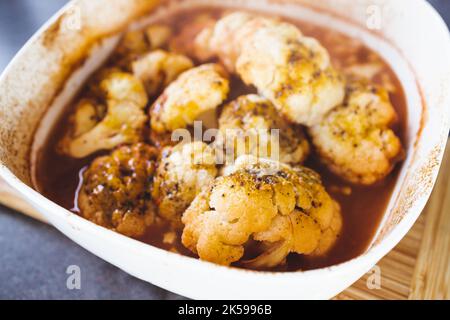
x,y
418,268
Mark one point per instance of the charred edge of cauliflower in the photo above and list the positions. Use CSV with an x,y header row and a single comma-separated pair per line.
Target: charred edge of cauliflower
x,y
95,126
247,125
159,68
116,190
355,140
193,93
183,172
285,209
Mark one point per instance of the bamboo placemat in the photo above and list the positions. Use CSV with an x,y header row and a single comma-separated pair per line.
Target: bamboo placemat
x,y
418,268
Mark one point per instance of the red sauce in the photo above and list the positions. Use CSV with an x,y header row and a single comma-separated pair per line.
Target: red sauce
x,y
363,209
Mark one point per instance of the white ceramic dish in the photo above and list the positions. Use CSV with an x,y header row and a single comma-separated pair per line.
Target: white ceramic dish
x,y
47,72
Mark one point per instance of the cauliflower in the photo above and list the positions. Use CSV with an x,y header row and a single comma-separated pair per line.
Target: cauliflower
x,y
184,170
283,209
192,94
223,39
94,126
158,35
116,190
246,126
159,68
136,43
355,140
291,70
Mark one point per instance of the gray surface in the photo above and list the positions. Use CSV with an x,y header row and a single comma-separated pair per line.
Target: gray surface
x,y
34,259
33,256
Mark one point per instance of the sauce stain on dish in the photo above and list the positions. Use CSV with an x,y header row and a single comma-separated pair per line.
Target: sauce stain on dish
x,y
362,207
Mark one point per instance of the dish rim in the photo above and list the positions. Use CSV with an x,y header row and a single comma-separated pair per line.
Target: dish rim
x,y
377,251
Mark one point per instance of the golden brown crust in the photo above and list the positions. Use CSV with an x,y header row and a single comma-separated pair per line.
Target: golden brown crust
x,y
355,140
252,125
182,173
271,202
116,190
193,93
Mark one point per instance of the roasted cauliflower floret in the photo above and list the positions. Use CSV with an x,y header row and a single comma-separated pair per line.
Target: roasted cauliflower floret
x,y
159,68
158,35
132,44
284,209
183,172
96,126
291,70
116,190
355,140
135,43
223,39
252,125
192,94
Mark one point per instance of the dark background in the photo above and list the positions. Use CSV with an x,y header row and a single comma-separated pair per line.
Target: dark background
x,y
34,256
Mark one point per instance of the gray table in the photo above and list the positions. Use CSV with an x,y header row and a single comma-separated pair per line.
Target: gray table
x,y
34,257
